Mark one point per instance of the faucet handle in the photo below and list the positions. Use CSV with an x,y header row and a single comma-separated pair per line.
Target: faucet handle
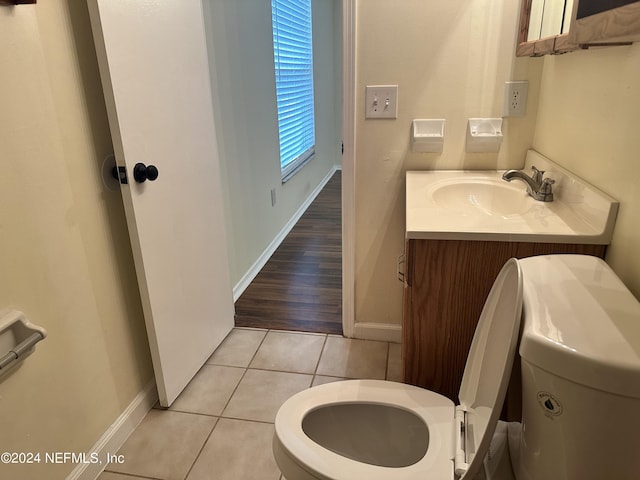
x,y
537,174
545,186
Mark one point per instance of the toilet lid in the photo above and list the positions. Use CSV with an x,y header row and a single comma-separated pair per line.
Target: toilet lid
x,y
488,369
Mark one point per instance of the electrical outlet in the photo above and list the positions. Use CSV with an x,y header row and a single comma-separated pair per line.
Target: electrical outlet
x,y
515,98
382,101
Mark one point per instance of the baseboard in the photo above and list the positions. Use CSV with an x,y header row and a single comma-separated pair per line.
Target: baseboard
x,y
385,332
115,436
248,277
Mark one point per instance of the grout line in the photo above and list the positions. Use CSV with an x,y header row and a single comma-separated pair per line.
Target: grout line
x,y
235,389
248,420
315,370
227,402
264,369
257,349
217,417
295,332
246,369
221,416
251,329
386,368
193,413
129,475
202,448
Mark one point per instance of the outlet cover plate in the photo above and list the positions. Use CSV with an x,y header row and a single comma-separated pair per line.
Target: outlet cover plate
x,y
515,98
381,101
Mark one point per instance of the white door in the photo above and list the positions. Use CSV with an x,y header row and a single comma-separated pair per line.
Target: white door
x,y
155,76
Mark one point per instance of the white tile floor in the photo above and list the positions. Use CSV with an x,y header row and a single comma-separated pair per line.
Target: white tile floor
x,y
221,426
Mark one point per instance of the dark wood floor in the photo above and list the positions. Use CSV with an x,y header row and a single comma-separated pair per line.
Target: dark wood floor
x,y
300,287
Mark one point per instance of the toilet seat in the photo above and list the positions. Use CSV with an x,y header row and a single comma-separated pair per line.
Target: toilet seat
x,y
435,410
458,436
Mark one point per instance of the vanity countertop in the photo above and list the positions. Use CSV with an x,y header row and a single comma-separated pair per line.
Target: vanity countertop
x,y
479,205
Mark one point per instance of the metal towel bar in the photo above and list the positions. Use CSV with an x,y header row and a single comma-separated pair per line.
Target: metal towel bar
x,y
21,349
17,339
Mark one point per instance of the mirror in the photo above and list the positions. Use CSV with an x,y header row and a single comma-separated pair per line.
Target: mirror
x,y
549,18
544,27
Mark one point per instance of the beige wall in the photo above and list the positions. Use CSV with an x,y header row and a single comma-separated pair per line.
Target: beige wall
x,y
64,254
65,258
450,60
588,121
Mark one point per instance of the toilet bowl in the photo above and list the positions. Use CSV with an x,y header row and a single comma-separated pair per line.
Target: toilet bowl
x,y
579,351
375,430
364,429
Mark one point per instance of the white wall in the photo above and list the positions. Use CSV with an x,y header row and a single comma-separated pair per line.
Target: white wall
x,y
241,49
65,258
450,60
588,122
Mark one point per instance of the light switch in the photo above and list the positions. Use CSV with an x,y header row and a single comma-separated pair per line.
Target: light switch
x,y
382,101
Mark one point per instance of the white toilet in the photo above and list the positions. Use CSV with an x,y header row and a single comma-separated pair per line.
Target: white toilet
x,y
580,364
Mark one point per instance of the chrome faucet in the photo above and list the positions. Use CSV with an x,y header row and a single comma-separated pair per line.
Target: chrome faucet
x,y
537,187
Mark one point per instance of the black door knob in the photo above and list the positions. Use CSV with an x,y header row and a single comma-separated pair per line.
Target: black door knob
x,y
141,172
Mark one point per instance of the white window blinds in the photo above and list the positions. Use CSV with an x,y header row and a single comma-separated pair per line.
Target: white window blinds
x,y
293,52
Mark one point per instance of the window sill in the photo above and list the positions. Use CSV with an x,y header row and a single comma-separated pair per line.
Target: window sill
x,y
294,168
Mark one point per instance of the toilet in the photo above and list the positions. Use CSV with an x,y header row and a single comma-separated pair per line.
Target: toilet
x,y
579,351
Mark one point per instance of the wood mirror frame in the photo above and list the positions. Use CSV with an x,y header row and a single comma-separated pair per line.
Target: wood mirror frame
x,y
544,46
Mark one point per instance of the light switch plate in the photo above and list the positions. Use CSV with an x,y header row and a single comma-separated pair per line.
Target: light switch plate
x,y
381,101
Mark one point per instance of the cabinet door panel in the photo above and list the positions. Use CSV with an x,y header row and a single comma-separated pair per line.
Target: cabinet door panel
x,y
449,282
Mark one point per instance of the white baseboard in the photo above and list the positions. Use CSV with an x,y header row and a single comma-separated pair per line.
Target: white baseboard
x,y
385,332
248,277
115,436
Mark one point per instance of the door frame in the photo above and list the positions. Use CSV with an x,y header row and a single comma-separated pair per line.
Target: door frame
x,y
349,12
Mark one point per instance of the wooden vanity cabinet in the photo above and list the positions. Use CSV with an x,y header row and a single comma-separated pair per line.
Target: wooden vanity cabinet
x,y
446,284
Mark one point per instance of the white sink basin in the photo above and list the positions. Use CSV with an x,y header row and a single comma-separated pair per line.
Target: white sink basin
x,y
480,205
487,195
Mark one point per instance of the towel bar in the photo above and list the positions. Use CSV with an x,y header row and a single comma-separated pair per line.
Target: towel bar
x,y
18,338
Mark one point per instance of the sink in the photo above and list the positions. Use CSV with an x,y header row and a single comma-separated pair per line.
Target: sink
x,y
487,195
479,205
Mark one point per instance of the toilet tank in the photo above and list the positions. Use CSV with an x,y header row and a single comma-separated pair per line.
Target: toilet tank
x,y
580,362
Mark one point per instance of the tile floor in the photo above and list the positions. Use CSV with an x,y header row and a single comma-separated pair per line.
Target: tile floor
x,y
221,426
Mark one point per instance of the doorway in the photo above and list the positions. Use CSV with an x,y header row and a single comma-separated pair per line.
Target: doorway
x,y
300,287
241,53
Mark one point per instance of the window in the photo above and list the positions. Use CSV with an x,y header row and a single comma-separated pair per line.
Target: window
x,y
293,56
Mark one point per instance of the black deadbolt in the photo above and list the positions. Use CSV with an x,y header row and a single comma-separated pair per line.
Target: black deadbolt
x,y
141,172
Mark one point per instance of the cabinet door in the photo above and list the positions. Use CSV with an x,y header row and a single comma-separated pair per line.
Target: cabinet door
x,y
447,284
450,281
